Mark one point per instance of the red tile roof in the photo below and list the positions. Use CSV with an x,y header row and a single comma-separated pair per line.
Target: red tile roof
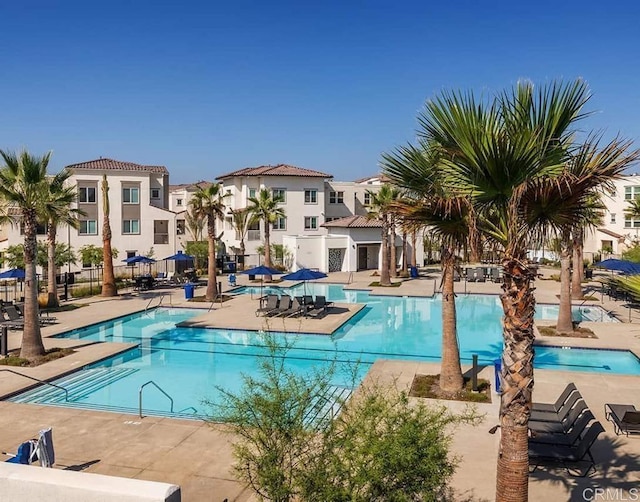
x,y
354,222
117,165
191,186
381,178
279,170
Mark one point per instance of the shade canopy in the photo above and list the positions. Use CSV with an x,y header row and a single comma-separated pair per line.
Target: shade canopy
x,y
261,270
14,273
624,266
138,259
180,256
304,274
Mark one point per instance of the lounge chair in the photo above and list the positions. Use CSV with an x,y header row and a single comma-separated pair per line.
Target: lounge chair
x,y
555,407
18,318
33,450
568,438
559,416
296,308
624,417
320,306
495,274
285,305
560,426
270,305
542,453
5,321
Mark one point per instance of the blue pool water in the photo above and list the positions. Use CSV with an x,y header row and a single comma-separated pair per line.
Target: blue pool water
x,y
189,362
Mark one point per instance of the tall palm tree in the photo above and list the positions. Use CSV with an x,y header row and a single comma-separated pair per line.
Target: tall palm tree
x,y
23,185
241,220
266,208
496,151
195,224
108,276
208,202
380,209
417,170
57,210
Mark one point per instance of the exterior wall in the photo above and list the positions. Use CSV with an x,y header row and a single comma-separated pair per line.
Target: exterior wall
x,y
313,251
353,198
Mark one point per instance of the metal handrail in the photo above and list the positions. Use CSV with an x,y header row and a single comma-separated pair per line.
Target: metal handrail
x,y
189,408
350,279
151,300
218,296
140,396
66,392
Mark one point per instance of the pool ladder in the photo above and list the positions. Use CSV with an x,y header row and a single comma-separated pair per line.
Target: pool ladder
x,y
151,382
151,301
66,392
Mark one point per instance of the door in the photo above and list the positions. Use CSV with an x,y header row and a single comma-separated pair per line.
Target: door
x,y
362,257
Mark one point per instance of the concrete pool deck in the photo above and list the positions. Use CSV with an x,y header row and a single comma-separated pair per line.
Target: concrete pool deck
x,y
199,458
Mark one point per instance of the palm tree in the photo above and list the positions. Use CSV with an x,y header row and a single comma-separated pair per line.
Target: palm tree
x,y
57,209
195,224
498,152
23,185
241,220
108,277
265,207
208,202
380,209
417,170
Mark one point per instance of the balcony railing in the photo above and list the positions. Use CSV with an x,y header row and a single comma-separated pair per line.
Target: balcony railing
x,y
253,235
161,238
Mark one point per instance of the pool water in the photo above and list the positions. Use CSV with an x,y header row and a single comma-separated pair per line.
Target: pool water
x,y
188,363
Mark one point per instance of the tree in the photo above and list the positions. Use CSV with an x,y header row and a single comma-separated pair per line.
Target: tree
x,y
199,250
23,185
195,225
380,209
93,255
208,203
108,277
266,208
57,209
242,220
501,151
14,255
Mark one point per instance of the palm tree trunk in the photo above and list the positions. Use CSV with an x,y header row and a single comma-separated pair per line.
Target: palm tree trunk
x,y
451,380
32,345
578,267
212,285
52,287
385,279
414,239
267,249
108,276
393,259
242,252
565,320
405,262
518,304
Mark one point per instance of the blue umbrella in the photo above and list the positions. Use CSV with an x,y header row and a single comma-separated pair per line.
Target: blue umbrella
x,y
304,274
14,273
180,256
138,259
624,266
261,270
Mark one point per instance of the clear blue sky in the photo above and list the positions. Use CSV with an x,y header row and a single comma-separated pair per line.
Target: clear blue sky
x,y
207,87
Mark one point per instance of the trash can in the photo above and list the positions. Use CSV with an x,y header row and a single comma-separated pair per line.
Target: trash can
x,y
413,272
252,277
188,290
231,266
588,273
497,365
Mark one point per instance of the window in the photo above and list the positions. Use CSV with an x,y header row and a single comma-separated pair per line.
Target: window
x,y
252,193
336,197
310,196
253,233
279,192
88,227
280,223
155,193
613,217
180,227
311,223
178,202
87,195
331,218
41,228
631,223
631,192
131,226
131,195
367,199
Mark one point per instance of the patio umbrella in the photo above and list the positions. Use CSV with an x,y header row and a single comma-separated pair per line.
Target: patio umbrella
x,y
14,273
261,270
138,259
304,274
180,256
624,266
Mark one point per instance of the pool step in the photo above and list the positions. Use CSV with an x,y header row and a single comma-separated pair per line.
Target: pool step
x,y
79,385
325,407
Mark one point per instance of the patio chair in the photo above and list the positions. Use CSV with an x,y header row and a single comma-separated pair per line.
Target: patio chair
x,y
495,275
567,456
624,417
23,455
270,305
553,416
5,321
320,306
479,275
40,449
284,305
307,300
295,309
568,438
555,407
560,426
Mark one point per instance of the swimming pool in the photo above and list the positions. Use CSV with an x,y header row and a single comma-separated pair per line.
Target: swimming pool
x,y
188,363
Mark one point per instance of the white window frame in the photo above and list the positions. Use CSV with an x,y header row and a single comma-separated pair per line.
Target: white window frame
x,y
631,223
157,190
336,197
86,192
366,199
131,230
283,191
131,191
312,223
178,202
251,193
310,196
280,223
631,192
87,227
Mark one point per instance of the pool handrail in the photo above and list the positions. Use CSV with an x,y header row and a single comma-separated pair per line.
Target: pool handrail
x,y
66,391
140,396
